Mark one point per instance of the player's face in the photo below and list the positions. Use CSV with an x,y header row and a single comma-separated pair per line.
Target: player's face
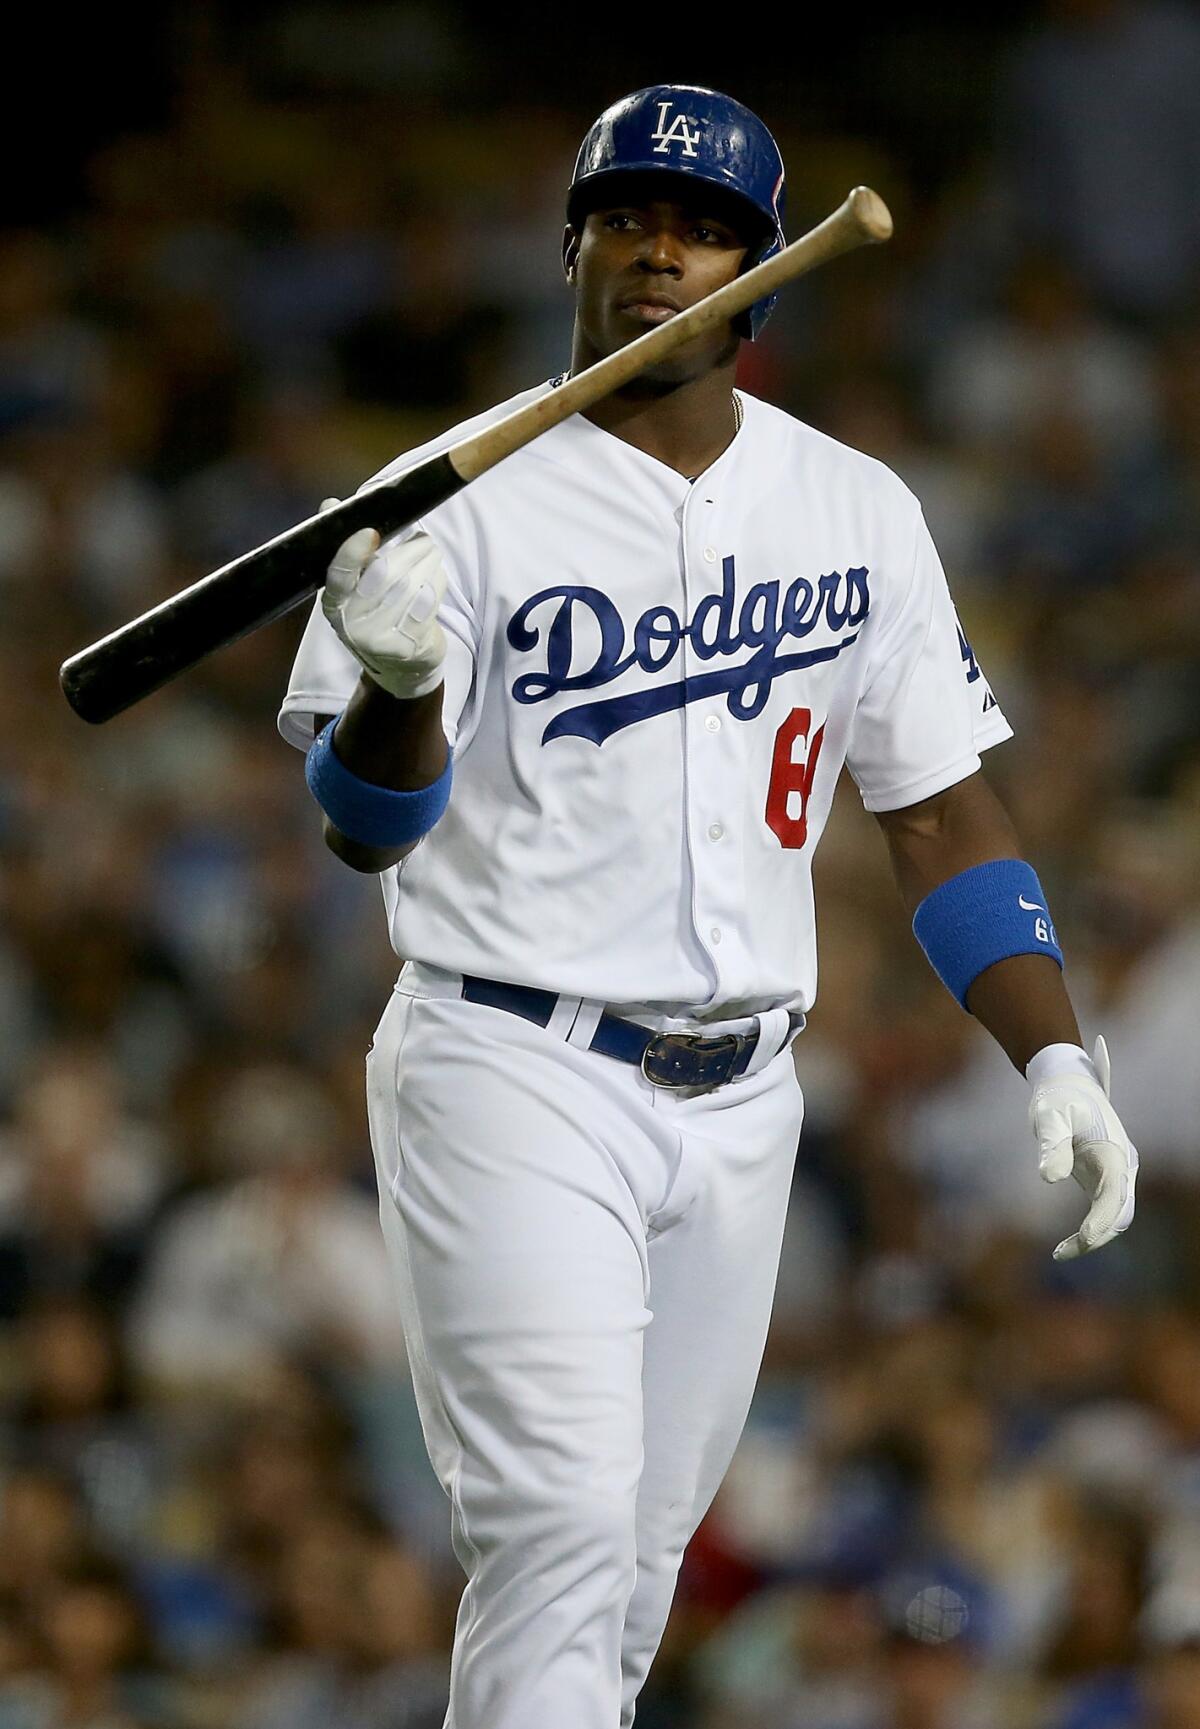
x,y
637,263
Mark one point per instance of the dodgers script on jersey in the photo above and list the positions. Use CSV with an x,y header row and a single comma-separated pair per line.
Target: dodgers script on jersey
x,y
651,688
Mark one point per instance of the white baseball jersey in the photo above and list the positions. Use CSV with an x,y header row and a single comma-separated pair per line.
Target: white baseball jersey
x,y
651,688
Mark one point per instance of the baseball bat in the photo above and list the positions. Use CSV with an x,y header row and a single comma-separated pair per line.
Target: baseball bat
x,y
120,669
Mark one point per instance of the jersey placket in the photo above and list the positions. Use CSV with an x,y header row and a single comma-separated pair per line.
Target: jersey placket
x,y
710,801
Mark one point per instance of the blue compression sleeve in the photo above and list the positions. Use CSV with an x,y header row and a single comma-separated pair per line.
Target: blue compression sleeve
x,y
982,916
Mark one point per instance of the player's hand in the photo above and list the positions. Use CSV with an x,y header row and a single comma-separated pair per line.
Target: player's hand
x,y
1080,1135
384,607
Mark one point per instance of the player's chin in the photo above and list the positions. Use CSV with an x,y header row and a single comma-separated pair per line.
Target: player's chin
x,y
691,361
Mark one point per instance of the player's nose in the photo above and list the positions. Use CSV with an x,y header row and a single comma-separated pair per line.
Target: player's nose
x,y
660,252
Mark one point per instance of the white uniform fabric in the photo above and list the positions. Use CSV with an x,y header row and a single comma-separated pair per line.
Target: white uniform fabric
x,y
651,688
628,656
585,1269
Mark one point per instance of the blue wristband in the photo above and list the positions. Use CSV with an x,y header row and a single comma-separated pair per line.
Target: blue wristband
x,y
982,916
372,815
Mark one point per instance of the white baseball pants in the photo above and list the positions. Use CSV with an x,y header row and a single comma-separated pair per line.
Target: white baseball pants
x,y
585,1266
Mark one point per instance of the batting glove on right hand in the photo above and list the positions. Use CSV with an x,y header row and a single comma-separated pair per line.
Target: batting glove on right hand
x,y
1080,1135
384,607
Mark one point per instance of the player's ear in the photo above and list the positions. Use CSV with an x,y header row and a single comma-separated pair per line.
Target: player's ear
x,y
570,253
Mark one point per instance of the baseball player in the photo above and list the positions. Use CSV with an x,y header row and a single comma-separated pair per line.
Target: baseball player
x,y
586,721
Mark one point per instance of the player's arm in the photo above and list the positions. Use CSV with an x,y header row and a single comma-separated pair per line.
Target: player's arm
x,y
1021,1000
386,742
981,916
381,769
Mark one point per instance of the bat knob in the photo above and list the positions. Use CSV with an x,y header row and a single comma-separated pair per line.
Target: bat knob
x,y
872,215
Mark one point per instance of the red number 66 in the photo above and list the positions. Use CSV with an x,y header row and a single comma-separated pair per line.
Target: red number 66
x,y
791,781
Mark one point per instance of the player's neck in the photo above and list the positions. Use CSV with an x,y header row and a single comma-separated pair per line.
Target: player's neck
x,y
688,428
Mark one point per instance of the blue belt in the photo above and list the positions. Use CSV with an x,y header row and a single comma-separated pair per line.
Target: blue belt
x,y
665,1059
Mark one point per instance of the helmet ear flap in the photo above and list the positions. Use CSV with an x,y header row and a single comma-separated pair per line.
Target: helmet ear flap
x,y
748,324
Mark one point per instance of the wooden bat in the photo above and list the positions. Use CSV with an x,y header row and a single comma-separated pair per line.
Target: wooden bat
x,y
127,665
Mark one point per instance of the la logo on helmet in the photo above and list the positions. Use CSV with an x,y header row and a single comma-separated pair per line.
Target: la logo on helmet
x,y
680,131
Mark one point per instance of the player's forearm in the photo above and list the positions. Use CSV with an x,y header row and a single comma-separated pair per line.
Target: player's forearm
x,y
390,743
1021,1000
1023,1003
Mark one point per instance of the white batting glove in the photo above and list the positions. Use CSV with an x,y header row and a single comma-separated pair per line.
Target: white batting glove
x,y
384,607
1080,1135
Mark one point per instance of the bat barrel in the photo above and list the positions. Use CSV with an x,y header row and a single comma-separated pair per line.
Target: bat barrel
x,y
120,669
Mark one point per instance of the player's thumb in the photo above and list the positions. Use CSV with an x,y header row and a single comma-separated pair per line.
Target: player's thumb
x,y
349,562
351,557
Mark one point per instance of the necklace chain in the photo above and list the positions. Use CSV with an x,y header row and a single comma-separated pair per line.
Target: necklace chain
x,y
738,410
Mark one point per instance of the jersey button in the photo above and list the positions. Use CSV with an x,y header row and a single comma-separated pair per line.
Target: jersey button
x,y
715,933
715,831
710,555
713,722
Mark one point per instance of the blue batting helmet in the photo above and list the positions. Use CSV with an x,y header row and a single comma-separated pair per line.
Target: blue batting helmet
x,y
687,129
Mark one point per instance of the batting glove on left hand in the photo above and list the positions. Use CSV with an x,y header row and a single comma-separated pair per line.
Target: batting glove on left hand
x,y
384,607
1080,1135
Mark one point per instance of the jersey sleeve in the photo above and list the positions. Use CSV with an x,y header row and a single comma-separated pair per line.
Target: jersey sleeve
x,y
926,710
324,672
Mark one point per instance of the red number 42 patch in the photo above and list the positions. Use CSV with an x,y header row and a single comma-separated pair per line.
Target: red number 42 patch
x,y
792,778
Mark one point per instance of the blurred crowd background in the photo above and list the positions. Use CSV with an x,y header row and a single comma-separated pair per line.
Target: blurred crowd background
x,y
264,252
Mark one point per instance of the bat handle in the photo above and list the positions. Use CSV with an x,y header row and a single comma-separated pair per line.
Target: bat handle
x,y
871,215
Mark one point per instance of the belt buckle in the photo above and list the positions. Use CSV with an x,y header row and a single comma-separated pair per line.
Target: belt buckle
x,y
658,1050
